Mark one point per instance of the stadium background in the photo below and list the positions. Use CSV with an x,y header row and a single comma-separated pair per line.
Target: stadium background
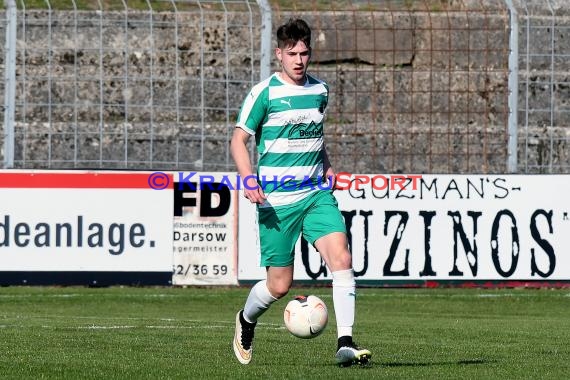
x,y
443,86
418,86
462,92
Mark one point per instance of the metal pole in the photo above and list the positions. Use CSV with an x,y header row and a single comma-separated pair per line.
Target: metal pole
x,y
266,35
10,83
512,160
151,83
552,84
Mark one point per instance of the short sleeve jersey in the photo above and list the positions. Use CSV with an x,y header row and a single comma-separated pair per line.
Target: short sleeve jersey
x,y
287,122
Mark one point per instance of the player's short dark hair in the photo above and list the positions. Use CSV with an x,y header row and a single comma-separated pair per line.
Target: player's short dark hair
x,y
293,31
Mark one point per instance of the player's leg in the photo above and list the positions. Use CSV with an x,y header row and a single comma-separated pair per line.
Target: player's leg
x,y
324,227
260,298
278,233
335,253
264,293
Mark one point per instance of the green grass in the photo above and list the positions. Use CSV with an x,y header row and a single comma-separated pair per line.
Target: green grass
x,y
186,333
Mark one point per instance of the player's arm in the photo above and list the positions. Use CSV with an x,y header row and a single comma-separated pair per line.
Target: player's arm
x,y
240,154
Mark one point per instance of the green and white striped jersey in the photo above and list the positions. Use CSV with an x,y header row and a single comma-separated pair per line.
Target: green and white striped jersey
x,y
287,121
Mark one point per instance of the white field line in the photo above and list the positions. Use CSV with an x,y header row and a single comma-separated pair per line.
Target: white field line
x,y
480,295
114,295
178,323
97,327
387,294
101,318
203,327
127,327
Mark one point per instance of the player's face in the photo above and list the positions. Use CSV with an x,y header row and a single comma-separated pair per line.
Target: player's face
x,y
294,61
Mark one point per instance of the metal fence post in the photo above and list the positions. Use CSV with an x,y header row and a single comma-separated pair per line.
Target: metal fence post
x,y
266,35
512,151
10,82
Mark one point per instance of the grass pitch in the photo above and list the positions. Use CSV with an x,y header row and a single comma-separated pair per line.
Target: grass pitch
x,y
186,333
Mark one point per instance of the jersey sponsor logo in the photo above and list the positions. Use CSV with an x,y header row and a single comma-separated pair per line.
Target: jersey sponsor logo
x,y
306,131
288,102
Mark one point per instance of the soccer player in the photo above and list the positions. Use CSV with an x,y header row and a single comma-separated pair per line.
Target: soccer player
x,y
285,113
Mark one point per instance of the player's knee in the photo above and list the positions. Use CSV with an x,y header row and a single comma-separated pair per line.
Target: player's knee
x,y
279,289
342,260
280,292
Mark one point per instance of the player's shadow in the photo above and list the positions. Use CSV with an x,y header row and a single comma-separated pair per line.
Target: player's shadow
x,y
269,219
376,364
430,364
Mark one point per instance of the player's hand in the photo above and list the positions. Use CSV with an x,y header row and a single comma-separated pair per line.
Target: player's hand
x,y
330,175
254,192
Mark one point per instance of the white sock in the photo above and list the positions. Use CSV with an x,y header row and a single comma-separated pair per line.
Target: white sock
x,y
344,296
257,302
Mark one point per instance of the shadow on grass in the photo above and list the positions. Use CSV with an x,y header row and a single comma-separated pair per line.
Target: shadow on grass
x,y
376,364
429,364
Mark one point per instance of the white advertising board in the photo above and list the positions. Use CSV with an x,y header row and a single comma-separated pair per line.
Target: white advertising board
x,y
83,221
205,229
441,228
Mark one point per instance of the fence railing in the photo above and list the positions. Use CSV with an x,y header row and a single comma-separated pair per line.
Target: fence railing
x,y
416,86
544,86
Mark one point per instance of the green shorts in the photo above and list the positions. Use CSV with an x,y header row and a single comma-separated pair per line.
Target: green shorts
x,y
280,227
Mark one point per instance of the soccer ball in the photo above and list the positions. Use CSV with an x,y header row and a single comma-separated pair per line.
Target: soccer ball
x,y
306,316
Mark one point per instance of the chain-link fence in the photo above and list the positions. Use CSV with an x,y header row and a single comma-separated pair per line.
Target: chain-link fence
x,y
416,86
138,88
544,87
